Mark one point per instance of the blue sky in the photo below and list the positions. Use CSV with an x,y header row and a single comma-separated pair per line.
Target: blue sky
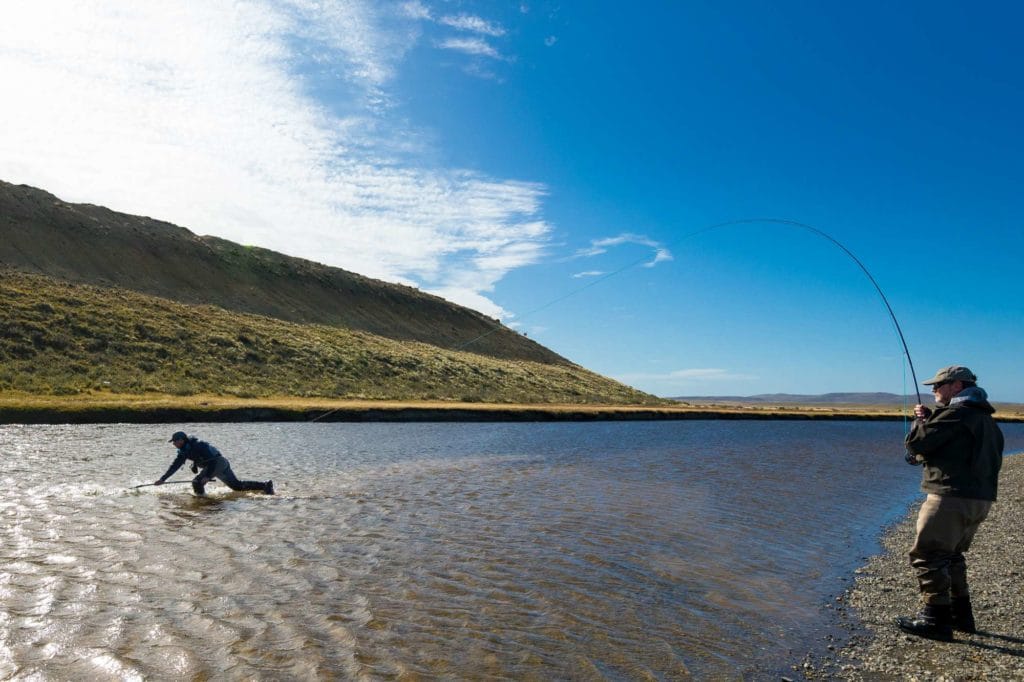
x,y
556,165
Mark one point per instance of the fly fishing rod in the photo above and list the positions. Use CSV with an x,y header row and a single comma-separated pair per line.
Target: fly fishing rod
x,y
836,242
146,485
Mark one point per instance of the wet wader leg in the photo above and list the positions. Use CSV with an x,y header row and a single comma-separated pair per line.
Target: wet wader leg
x,y
229,479
200,481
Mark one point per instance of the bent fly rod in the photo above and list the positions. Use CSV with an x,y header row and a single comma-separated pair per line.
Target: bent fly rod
x,y
146,485
744,221
836,242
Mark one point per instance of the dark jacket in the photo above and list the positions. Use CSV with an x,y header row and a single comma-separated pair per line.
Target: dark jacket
x,y
962,447
200,452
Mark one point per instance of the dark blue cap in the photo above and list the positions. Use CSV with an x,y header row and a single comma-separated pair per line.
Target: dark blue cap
x,y
178,435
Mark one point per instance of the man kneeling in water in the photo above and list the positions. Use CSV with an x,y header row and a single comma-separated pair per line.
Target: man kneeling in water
x,y
214,465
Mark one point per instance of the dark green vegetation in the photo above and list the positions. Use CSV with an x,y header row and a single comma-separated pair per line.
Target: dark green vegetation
x,y
62,338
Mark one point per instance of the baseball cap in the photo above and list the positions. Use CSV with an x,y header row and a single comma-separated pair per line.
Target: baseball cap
x,y
951,373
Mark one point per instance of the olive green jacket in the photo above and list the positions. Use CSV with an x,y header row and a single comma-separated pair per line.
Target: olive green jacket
x,y
962,448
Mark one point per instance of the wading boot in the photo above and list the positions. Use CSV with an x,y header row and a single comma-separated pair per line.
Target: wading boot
x,y
932,621
199,489
963,615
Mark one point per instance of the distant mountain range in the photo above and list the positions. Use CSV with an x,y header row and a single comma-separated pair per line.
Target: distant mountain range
x,y
875,399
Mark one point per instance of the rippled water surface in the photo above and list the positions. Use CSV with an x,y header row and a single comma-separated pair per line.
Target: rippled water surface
x,y
660,550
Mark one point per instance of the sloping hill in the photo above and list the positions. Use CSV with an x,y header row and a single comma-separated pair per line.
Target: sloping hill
x,y
93,245
60,338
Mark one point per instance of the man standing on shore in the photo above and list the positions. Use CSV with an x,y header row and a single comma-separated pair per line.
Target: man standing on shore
x,y
214,465
961,448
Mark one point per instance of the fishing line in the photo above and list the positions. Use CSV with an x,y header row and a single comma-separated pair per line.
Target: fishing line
x,y
744,221
591,283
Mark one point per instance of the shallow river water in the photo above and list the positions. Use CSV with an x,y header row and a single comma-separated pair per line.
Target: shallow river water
x,y
637,550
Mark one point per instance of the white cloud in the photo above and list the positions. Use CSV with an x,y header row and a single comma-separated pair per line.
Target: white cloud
x,y
601,246
473,24
473,46
660,256
352,31
415,10
199,114
588,273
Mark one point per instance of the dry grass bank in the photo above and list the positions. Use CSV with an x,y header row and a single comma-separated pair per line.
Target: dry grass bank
x,y
104,406
72,340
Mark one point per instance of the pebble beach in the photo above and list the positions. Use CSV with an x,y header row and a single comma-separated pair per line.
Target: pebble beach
x,y
884,588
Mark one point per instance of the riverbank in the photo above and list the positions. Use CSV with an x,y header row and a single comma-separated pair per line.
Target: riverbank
x,y
102,407
885,588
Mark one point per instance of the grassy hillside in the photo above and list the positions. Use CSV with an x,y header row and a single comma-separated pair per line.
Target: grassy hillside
x,y
93,245
62,338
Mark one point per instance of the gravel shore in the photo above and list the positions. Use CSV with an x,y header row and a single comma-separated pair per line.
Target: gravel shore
x,y
886,588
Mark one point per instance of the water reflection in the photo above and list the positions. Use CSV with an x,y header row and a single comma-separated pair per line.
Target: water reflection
x,y
421,551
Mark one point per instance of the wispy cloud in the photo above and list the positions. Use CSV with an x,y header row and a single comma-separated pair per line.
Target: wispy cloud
x,y
465,22
474,46
415,10
601,246
697,379
200,114
588,273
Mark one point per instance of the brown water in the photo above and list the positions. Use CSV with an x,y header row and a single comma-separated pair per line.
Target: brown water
x,y
438,551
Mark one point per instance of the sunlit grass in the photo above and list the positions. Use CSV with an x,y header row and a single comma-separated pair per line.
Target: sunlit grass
x,y
60,339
